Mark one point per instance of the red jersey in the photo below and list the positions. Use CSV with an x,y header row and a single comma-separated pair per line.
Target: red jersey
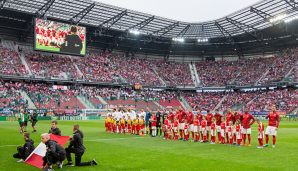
x,y
171,117
238,128
230,117
190,117
273,119
169,126
246,120
37,30
153,118
196,122
186,126
218,119
181,116
166,122
209,117
223,125
230,129
176,124
204,124
239,117
177,115
200,116
261,127
213,126
54,33
48,33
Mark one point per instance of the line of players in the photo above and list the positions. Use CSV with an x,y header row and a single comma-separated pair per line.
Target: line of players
x,y
45,35
183,124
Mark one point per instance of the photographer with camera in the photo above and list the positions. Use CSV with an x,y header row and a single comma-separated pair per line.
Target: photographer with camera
x,y
76,146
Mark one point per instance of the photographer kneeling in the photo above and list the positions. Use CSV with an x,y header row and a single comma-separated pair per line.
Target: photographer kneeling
x,y
78,148
55,153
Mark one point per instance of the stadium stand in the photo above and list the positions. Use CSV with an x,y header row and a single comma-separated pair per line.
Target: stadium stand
x,y
203,101
10,96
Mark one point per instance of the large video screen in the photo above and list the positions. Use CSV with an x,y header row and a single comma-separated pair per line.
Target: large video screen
x,y
58,37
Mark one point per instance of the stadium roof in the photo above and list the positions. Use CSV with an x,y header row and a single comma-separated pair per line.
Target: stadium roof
x,y
248,21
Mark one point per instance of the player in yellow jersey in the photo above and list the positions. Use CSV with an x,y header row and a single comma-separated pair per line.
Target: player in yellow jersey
x,y
133,127
109,123
129,125
106,123
123,124
142,121
138,126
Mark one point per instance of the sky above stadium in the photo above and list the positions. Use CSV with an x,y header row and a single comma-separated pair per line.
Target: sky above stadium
x,y
184,10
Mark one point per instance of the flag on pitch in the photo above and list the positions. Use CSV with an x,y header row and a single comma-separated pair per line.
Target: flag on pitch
x,y
35,158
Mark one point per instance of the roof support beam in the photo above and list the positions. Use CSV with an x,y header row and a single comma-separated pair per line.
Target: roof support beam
x,y
182,32
2,4
143,23
240,26
82,14
113,19
291,5
43,10
167,29
221,29
263,15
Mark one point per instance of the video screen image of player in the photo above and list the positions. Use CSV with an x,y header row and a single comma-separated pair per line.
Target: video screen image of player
x,y
59,37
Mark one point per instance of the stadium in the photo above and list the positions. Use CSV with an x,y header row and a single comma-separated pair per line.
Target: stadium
x,y
130,90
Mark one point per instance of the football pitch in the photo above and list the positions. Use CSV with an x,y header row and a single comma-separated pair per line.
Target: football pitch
x,y
131,152
47,48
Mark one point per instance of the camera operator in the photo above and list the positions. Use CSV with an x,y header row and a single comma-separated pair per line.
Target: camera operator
x,y
78,148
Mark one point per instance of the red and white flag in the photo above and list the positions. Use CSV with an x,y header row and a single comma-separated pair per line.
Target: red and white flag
x,y
35,158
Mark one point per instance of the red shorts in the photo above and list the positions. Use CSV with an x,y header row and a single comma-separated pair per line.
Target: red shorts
x,y
128,126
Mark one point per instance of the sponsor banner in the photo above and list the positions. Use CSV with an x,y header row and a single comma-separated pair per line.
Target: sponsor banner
x,y
99,106
288,118
132,107
68,118
56,87
112,106
6,112
259,113
205,112
169,107
120,106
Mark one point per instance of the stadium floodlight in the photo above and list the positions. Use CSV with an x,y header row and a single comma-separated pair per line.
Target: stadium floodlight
x,y
134,32
278,18
178,39
202,40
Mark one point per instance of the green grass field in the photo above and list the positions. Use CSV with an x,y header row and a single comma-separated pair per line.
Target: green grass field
x,y
42,47
130,152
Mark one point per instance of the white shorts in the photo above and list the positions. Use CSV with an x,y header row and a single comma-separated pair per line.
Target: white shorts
x,y
200,128
271,131
190,127
261,136
181,126
185,131
213,132
166,127
204,131
222,132
246,131
230,134
218,129
175,129
153,127
208,128
238,135
195,128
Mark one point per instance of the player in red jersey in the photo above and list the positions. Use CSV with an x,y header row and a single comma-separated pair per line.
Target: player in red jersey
x,y
238,116
238,133
209,117
247,117
169,129
204,129
196,128
181,116
171,115
200,116
190,117
230,117
186,133
165,127
272,126
223,126
175,130
218,117
260,133
153,123
230,133
213,132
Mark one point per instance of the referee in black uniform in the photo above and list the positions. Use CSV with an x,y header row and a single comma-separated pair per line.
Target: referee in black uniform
x,y
158,123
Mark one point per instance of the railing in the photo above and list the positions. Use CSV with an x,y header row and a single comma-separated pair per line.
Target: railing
x,y
87,101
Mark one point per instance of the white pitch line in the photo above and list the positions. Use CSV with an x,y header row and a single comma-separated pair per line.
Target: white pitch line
x,y
111,139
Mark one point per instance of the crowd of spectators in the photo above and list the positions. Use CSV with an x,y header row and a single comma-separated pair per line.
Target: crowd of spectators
x,y
177,73
203,101
217,73
10,96
96,67
135,70
10,63
49,65
284,100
